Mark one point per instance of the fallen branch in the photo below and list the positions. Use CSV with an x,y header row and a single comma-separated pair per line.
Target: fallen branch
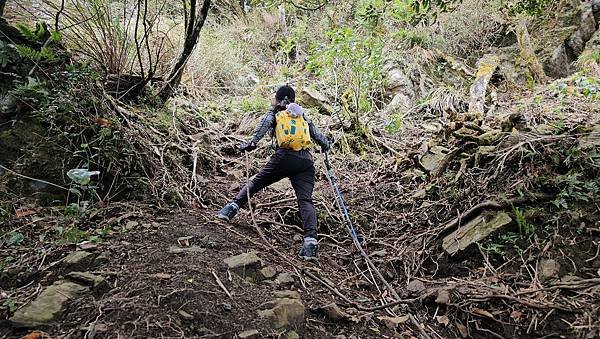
x,y
221,284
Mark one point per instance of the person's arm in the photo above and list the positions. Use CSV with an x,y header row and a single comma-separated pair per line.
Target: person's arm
x,y
316,135
266,124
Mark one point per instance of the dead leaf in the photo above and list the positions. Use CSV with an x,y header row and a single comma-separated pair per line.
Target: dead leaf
x,y
393,322
516,315
103,122
34,335
160,275
23,212
443,320
483,313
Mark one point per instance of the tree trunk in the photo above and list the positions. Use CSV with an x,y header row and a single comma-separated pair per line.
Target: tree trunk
x,y
195,22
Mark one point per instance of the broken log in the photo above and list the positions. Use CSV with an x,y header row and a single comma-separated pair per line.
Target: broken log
x,y
486,66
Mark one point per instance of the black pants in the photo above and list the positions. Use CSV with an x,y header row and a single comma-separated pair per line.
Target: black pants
x,y
299,167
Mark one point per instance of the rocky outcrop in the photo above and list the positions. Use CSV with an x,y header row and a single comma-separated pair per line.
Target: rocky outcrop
x,y
311,98
560,64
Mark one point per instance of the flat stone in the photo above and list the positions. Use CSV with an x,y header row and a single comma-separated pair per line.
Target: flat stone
x,y
249,334
285,279
475,230
548,269
266,273
286,313
287,294
292,335
131,225
97,283
490,137
78,261
48,305
415,286
244,265
393,322
434,158
443,296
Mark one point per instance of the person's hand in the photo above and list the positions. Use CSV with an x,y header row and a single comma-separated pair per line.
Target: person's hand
x,y
247,146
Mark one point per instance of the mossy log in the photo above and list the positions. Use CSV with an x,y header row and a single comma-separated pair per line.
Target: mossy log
x,y
528,53
486,66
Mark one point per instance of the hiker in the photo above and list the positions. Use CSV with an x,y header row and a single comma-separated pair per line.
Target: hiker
x,y
293,131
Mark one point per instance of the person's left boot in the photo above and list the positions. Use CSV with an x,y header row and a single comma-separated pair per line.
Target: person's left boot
x,y
310,249
228,211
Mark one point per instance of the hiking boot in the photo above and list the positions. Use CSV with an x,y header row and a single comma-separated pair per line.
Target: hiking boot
x,y
228,211
310,249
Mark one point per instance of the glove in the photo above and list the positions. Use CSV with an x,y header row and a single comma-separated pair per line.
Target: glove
x,y
247,146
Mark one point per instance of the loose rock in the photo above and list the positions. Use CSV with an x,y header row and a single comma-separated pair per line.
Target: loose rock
x,y
334,312
245,264
287,294
97,283
266,273
78,261
311,98
548,269
48,305
286,313
415,286
292,335
285,279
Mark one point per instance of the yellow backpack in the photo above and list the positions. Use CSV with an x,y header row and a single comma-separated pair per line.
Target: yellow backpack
x,y
291,132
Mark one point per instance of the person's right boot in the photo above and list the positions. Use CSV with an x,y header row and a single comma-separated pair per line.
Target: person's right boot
x,y
310,249
228,211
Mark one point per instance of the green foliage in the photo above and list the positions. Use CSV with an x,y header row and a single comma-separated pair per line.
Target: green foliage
x,y
356,61
583,85
574,188
525,228
34,34
8,54
44,54
10,305
254,104
394,124
15,238
71,235
530,7
413,38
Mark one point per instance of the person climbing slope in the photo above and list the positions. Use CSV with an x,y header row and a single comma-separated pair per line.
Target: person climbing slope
x,y
294,133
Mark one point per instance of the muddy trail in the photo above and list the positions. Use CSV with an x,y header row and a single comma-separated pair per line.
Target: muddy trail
x,y
168,276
